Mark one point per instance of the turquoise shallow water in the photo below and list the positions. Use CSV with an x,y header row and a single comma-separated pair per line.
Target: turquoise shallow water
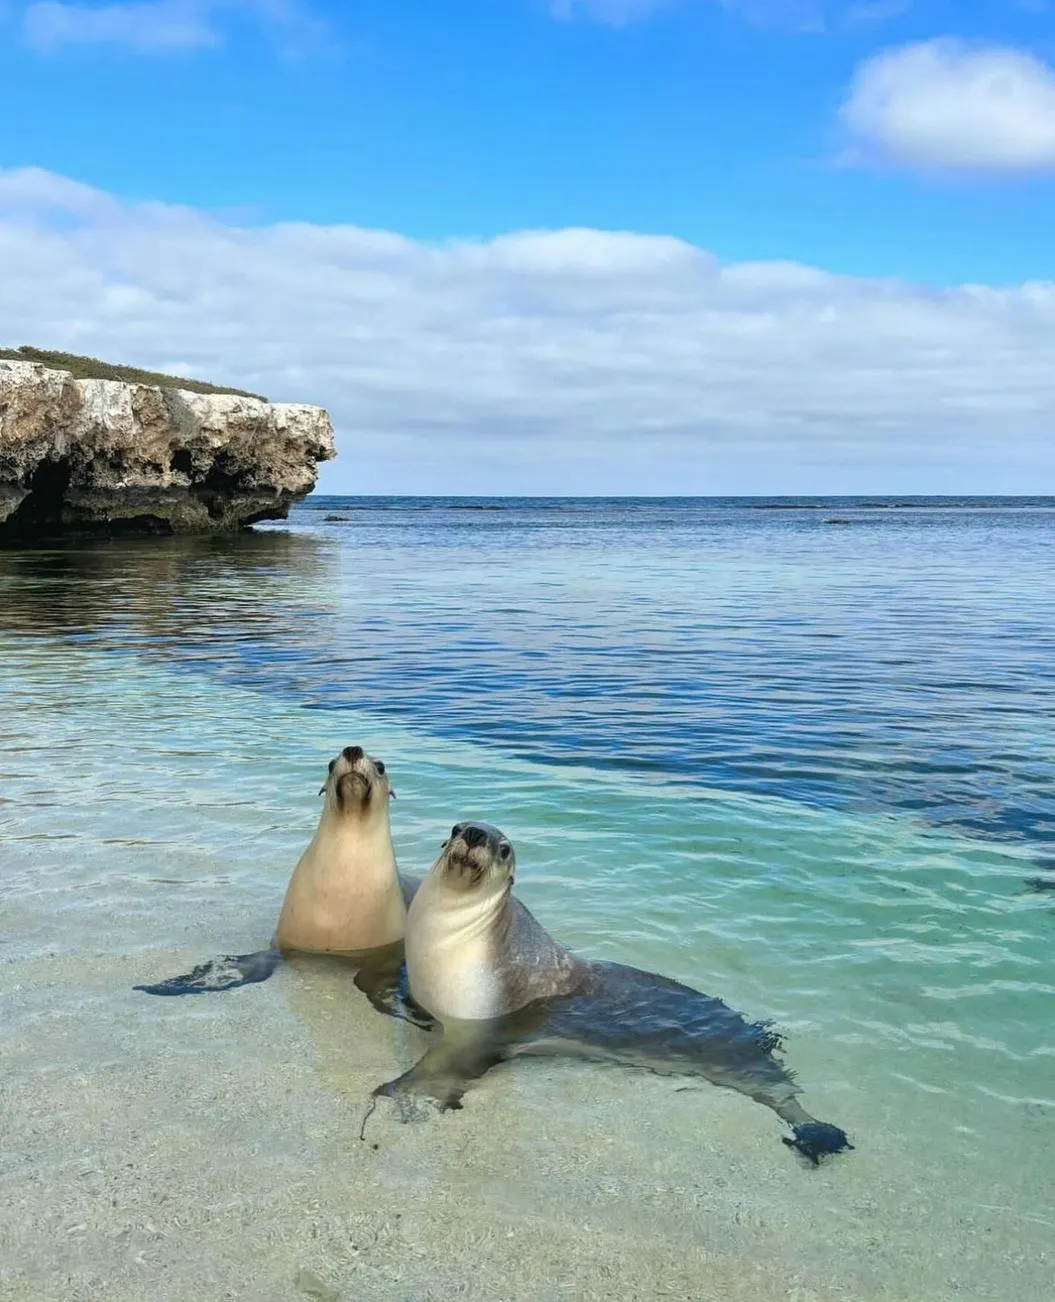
x,y
804,766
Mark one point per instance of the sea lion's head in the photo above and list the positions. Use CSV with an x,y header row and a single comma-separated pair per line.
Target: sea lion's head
x,y
477,857
356,784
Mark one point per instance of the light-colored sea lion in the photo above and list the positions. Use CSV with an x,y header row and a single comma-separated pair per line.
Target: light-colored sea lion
x,y
478,960
345,895
345,898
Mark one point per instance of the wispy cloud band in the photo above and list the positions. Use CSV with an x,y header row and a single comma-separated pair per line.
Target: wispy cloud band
x,y
160,26
571,360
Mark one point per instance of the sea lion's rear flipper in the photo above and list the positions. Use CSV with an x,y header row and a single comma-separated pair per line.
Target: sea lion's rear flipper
x,y
813,1139
645,1020
226,973
387,988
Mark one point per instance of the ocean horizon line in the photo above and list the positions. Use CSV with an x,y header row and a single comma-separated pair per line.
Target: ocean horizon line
x,y
859,499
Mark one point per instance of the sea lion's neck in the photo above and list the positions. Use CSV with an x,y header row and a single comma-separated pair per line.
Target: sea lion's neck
x,y
344,895
464,915
451,946
366,841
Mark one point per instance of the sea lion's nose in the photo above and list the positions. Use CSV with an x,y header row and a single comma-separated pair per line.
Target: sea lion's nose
x,y
474,836
353,753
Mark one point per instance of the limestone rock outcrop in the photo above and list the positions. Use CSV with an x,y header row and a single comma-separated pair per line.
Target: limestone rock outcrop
x,y
105,457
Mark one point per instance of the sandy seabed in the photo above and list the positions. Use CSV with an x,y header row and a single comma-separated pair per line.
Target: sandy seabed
x,y
208,1148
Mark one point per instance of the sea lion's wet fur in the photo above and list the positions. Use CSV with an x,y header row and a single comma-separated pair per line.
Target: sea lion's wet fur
x,y
345,898
474,951
549,1001
648,1020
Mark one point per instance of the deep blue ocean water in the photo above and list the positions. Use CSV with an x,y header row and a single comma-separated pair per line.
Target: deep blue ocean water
x,y
856,654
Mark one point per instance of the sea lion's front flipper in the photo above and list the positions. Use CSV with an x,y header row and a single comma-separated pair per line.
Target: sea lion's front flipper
x,y
446,1070
226,973
387,988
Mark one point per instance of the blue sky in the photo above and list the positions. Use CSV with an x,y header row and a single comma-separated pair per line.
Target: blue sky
x,y
913,141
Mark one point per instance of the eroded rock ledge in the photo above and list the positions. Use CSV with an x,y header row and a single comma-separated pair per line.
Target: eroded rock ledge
x,y
105,457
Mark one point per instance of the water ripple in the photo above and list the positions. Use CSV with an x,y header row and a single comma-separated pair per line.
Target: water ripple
x,y
909,666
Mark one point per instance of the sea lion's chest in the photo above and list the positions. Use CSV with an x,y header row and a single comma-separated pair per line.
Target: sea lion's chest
x,y
342,901
452,971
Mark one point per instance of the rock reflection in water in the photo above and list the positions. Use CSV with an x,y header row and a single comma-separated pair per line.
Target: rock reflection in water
x,y
176,599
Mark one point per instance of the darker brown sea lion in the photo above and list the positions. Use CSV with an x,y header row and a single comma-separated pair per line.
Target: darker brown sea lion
x,y
479,962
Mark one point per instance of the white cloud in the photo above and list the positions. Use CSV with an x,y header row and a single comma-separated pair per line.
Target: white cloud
x,y
563,361
947,106
153,26
29,193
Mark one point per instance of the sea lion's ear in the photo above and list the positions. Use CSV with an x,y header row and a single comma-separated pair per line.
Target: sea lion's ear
x,y
391,794
322,788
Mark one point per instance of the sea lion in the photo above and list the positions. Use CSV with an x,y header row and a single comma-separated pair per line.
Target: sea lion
x,y
346,897
479,961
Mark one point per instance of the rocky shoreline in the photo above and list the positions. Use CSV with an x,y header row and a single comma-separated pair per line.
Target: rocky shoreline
x,y
105,457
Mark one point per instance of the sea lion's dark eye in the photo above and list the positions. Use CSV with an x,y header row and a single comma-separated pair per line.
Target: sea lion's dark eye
x,y
380,767
330,767
456,829
504,851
